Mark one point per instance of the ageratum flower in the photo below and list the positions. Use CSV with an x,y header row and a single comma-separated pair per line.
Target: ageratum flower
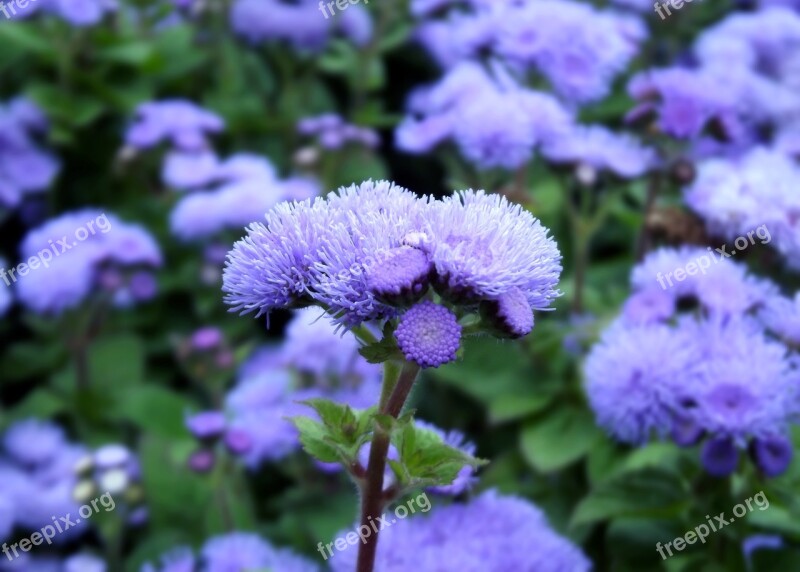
x,y
602,149
581,49
110,256
25,168
716,283
300,24
631,376
313,347
234,552
493,120
371,222
271,267
485,248
491,532
332,132
781,316
754,197
178,121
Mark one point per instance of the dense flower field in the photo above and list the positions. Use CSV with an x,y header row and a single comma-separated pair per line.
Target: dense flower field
x,y
399,286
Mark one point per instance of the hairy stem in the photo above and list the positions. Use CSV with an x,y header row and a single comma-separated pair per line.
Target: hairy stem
x,y
393,397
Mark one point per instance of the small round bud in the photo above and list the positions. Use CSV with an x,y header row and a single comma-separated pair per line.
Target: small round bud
x,y
685,431
429,335
772,455
201,461
720,456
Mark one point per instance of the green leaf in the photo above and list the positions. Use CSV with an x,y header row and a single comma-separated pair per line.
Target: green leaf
x,y
559,439
507,408
316,441
646,493
425,460
381,351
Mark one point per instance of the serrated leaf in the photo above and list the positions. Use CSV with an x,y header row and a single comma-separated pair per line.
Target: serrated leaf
x,y
314,437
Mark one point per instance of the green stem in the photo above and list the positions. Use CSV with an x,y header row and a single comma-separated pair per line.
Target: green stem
x,y
372,497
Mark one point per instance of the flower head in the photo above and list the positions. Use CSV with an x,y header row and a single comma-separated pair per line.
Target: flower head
x,y
429,335
482,247
491,532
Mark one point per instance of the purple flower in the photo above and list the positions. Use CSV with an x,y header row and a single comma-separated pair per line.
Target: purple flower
x,y
333,133
86,244
580,50
242,552
509,315
751,198
312,346
271,267
84,563
631,376
180,122
188,170
429,335
33,442
401,276
597,147
491,532
300,24
80,13
112,456
206,339
207,425
202,461
782,316
494,121
24,167
483,247
686,100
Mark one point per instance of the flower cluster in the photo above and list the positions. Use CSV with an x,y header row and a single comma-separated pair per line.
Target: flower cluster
x,y
116,259
488,111
234,552
332,132
37,469
490,532
700,362
313,361
25,168
298,24
375,251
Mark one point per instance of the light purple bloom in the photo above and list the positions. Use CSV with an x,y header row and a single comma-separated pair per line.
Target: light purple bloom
x,y
602,149
180,122
491,532
72,273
